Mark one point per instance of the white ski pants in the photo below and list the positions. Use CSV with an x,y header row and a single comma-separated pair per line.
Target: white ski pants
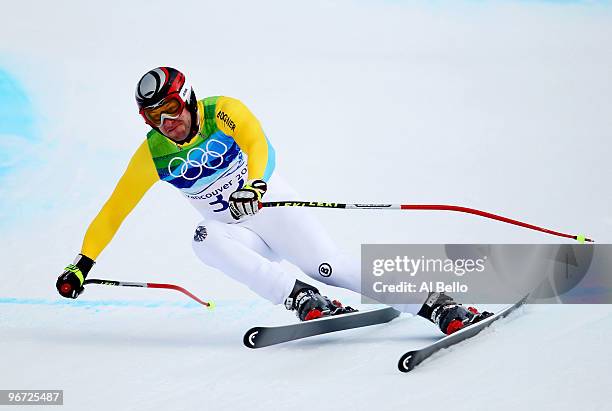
x,y
250,251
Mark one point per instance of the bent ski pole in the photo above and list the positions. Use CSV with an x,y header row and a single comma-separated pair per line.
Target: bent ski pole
x,y
209,304
437,207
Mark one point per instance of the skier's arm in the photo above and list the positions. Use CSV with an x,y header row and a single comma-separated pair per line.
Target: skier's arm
x,y
236,120
139,176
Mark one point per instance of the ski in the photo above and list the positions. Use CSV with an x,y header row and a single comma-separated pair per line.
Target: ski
x,y
413,358
258,337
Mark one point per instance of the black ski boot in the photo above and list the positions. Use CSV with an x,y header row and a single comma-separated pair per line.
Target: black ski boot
x,y
443,311
309,304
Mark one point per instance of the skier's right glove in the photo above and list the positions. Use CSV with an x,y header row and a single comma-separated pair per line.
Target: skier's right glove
x,y
70,283
245,201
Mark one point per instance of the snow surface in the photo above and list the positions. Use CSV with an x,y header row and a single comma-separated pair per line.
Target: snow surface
x,y
503,106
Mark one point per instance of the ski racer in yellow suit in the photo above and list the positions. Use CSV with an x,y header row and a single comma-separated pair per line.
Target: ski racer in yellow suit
x,y
215,152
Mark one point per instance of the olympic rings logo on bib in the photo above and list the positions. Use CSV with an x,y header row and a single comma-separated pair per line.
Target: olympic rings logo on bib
x,y
204,159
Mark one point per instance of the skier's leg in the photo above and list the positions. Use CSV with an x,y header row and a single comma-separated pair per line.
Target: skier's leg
x,y
241,254
294,234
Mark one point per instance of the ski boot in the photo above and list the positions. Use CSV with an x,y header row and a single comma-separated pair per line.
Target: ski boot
x,y
309,304
443,311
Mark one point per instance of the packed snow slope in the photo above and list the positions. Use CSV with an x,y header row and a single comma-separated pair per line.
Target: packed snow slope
x,y
502,106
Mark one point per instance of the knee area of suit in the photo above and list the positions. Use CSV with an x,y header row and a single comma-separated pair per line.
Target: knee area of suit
x,y
204,239
200,234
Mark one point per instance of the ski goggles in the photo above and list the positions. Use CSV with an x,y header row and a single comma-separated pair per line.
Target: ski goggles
x,y
171,107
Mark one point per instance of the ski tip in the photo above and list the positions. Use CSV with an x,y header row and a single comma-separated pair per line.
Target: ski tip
x,y
250,337
405,363
211,305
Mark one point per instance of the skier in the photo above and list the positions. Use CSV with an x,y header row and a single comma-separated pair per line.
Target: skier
x,y
216,153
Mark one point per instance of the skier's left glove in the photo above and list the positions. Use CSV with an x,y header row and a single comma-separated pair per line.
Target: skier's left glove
x,y
245,201
70,283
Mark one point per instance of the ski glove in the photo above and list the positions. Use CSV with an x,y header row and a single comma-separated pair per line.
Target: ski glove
x,y
70,283
245,201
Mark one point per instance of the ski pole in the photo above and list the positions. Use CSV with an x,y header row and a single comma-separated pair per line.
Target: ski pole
x,y
437,207
209,304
